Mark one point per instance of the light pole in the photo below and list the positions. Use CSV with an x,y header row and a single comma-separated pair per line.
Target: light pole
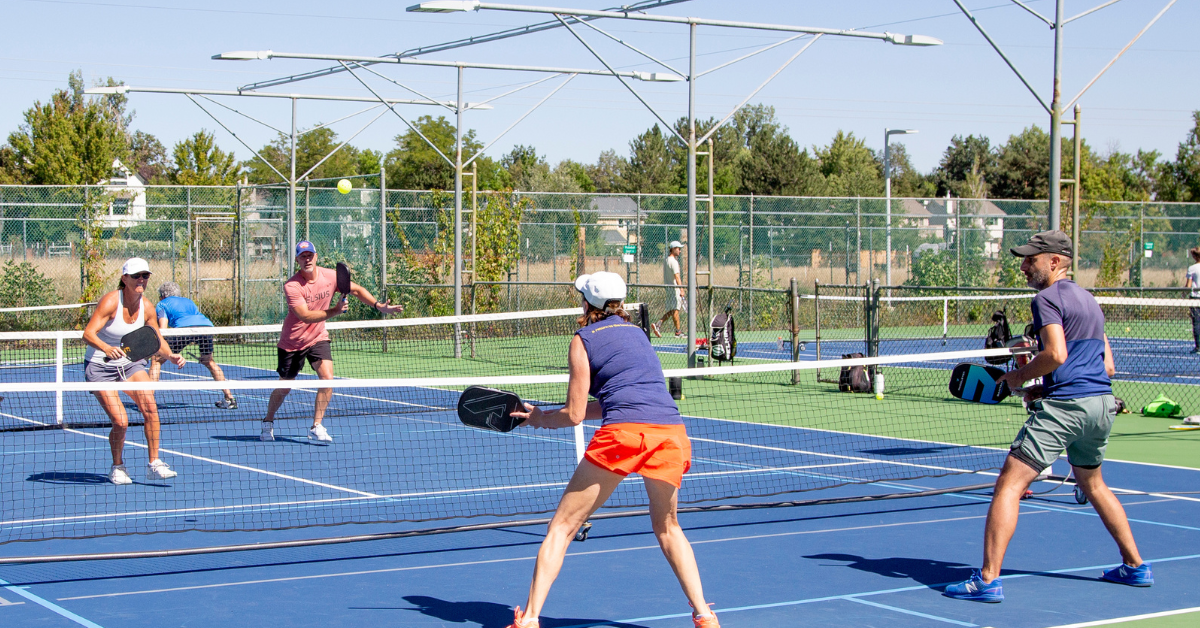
x,y
887,188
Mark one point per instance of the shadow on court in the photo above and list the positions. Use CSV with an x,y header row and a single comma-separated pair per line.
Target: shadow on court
x,y
486,614
925,571
68,477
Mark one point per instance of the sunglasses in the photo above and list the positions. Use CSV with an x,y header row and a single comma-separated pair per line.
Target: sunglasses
x,y
141,275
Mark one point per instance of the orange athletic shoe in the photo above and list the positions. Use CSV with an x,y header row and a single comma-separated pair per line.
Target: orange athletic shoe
x,y
533,623
706,621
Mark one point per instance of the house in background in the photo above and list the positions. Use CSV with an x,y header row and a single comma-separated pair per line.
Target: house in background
x,y
940,218
128,190
617,217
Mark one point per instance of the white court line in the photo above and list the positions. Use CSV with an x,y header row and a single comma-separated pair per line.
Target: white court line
x,y
212,460
1121,620
524,558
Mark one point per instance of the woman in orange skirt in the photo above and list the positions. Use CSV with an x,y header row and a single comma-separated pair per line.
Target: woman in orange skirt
x,y
642,432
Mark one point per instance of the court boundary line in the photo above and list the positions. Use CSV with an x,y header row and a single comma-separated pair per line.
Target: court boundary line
x,y
910,612
48,605
1121,620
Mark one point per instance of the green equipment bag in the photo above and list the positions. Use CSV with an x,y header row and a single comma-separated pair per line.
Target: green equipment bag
x,y
1162,407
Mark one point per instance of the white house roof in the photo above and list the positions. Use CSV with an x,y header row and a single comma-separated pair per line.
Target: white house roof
x,y
615,207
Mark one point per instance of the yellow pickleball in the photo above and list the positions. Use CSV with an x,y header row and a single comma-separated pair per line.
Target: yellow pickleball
x,y
344,186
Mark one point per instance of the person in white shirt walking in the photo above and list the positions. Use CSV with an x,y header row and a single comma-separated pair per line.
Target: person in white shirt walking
x,y
674,296
1193,282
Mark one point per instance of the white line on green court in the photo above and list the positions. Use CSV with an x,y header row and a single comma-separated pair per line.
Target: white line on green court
x,y
1121,620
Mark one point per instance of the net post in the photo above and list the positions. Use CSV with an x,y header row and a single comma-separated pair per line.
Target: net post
x,y
58,376
580,443
817,321
873,318
794,288
945,319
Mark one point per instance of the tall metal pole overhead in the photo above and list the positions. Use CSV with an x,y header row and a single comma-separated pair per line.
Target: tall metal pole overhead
x,y
1056,122
291,217
458,171
1055,107
693,247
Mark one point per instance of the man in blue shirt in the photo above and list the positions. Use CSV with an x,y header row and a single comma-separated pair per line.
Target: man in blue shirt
x,y
1072,409
175,310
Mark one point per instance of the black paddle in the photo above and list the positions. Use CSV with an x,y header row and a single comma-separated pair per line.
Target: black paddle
x,y
978,383
139,344
489,409
343,280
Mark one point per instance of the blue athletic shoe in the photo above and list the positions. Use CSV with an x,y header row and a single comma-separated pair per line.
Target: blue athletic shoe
x,y
976,590
1132,576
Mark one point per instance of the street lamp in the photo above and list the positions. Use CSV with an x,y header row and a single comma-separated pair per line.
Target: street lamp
x,y
887,188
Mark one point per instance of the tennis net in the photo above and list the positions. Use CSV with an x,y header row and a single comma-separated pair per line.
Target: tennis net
x,y
526,342
400,454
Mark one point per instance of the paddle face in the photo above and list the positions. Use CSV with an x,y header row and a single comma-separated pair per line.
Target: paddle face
x,y
489,409
343,279
140,344
978,383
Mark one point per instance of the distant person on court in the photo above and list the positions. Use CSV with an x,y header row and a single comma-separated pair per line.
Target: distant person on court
x,y
308,294
1193,281
118,313
1073,409
674,296
642,432
174,311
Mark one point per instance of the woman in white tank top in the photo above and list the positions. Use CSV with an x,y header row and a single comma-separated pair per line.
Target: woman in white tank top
x,y
118,313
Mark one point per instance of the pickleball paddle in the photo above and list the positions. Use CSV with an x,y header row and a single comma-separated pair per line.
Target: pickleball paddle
x,y
139,344
489,409
978,383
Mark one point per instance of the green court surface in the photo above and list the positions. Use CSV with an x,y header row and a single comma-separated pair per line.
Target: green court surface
x,y
1188,619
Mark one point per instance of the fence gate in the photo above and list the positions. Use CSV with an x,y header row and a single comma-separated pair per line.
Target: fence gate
x,y
264,261
213,260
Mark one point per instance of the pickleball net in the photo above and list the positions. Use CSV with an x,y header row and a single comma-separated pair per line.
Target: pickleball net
x,y
760,433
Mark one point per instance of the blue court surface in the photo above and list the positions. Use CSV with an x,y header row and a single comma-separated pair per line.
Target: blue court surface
x,y
855,564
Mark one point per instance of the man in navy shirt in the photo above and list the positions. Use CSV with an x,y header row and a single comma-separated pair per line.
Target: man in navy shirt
x,y
175,310
1072,409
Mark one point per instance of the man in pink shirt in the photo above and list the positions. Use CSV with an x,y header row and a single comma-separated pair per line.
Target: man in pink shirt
x,y
308,294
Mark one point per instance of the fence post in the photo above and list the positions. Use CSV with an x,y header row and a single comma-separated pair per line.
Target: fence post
x,y
817,321
795,292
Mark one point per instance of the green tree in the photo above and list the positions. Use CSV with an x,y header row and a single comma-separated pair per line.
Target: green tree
x,y
148,157
609,172
768,161
414,165
849,167
907,181
10,171
311,147
1022,169
198,161
1180,180
651,164
72,139
962,156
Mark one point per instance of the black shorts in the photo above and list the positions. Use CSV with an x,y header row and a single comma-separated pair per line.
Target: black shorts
x,y
204,343
290,362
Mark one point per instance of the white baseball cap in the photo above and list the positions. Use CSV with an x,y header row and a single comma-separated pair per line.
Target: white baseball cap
x,y
675,245
135,265
600,288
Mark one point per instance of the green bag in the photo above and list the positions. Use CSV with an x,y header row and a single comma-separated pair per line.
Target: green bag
x,y
1162,407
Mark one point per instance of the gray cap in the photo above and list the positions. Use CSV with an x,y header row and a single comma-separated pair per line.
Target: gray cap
x,y
1055,242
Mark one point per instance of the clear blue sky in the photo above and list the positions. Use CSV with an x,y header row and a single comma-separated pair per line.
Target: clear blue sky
x,y
859,86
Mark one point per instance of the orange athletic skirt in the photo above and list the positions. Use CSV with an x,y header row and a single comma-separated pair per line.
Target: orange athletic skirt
x,y
659,452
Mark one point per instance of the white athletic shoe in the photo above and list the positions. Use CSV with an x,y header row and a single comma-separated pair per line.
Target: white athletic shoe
x,y
268,432
119,475
654,328
318,433
159,470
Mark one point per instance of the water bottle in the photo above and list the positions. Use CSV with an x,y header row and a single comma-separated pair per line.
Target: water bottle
x,y
879,386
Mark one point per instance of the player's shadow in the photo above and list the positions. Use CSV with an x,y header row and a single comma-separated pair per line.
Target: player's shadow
x,y
933,573
906,451
486,614
923,570
68,477
253,438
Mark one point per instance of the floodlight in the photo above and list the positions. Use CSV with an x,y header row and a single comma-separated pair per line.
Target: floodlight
x,y
901,131
115,89
913,40
658,77
444,6
243,55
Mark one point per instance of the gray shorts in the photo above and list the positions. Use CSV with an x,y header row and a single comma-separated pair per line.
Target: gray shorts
x,y
110,372
672,300
1080,426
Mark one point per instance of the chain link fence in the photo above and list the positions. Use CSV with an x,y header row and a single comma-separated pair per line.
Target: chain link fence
x,y
227,246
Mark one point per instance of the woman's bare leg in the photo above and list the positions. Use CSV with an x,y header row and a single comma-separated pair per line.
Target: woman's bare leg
x,y
111,402
675,546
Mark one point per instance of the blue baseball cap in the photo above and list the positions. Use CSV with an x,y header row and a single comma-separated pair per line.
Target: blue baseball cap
x,y
304,246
